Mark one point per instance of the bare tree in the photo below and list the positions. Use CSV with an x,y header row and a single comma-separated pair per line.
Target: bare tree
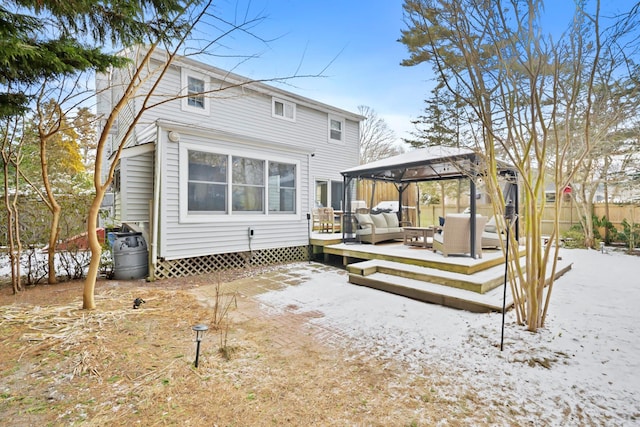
x,y
614,139
523,88
12,133
377,139
149,65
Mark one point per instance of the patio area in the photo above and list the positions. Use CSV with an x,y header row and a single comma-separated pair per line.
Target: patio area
x,y
419,273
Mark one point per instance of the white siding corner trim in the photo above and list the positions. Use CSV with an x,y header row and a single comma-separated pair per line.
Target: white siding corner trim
x,y
230,215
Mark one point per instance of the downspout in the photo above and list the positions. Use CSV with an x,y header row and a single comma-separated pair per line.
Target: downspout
x,y
310,200
156,205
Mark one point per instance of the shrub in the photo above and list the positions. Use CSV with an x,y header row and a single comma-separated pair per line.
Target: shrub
x,y
574,238
630,234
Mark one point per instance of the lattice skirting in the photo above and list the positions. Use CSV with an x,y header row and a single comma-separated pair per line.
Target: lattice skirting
x,y
218,262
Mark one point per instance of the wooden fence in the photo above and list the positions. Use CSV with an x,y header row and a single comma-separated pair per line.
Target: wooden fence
x,y
428,214
569,215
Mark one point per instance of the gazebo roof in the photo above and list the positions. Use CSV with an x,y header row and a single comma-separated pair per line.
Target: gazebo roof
x,y
423,164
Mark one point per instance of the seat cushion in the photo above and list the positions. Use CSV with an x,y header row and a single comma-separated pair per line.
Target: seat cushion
x,y
491,225
363,219
379,221
391,219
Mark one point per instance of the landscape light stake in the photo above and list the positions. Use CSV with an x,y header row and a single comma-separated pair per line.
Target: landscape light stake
x,y
199,329
509,215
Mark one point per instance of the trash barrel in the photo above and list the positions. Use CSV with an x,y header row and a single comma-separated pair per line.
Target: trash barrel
x,y
130,256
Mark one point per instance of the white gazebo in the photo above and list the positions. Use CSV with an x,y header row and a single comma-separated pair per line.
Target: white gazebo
x,y
421,165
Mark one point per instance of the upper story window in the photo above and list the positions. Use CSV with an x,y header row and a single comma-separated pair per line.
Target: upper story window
x,y
194,92
283,109
336,129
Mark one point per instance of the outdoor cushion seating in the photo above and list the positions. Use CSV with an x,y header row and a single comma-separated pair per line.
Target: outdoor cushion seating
x,y
374,228
357,205
328,221
490,236
455,236
315,218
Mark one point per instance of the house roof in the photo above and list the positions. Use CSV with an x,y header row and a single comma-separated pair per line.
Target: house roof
x,y
424,164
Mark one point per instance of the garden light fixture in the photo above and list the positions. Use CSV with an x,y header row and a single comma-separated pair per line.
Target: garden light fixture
x,y
200,330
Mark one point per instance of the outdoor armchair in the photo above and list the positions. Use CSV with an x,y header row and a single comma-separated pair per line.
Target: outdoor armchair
x,y
456,235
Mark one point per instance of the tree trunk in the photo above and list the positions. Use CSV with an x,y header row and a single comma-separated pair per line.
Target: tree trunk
x,y
53,240
88,297
607,236
53,206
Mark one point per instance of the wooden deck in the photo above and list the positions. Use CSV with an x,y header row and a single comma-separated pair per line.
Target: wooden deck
x,y
419,273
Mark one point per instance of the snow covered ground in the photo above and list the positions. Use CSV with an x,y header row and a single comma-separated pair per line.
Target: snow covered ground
x,y
582,368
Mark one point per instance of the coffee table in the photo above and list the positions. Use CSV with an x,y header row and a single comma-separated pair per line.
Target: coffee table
x,y
417,236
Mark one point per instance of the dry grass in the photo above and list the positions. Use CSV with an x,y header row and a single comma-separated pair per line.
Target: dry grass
x,y
119,366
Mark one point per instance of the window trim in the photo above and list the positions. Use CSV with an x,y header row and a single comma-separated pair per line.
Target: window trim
x,y
342,129
183,179
284,103
186,73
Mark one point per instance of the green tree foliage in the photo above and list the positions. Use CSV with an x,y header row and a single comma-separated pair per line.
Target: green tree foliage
x,y
441,124
40,39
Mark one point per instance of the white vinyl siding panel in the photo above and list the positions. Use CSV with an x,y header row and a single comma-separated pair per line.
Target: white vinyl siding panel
x,y
183,240
117,207
136,187
239,120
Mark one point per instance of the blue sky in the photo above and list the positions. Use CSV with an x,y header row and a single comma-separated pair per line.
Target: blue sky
x,y
357,40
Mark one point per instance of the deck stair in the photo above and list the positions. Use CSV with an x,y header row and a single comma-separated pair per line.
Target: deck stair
x,y
478,292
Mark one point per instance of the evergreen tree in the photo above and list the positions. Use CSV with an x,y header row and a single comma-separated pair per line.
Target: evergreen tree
x,y
39,40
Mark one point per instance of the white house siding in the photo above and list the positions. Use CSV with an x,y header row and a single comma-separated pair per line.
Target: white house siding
x,y
239,119
136,187
184,240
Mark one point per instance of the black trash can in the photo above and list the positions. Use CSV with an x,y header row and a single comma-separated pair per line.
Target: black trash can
x,y
130,256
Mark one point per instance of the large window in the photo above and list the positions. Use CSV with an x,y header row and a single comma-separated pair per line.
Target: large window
x,y
282,187
220,184
207,182
248,185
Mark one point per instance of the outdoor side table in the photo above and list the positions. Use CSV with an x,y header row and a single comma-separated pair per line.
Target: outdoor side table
x,y
418,236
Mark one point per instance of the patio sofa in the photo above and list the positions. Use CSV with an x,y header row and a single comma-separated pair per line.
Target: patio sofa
x,y
374,228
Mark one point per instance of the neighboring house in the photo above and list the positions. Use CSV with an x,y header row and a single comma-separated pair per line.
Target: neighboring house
x,y
224,180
